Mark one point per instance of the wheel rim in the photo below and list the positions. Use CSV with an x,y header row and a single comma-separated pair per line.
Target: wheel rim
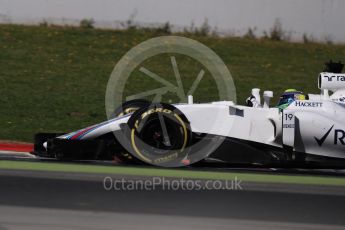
x,y
152,134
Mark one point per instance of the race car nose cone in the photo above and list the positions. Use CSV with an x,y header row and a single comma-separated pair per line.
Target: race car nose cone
x,y
45,145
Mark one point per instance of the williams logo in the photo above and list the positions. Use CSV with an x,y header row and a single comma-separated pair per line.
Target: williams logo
x,y
339,136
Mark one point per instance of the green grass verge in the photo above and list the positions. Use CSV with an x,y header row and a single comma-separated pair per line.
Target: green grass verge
x,y
54,78
175,173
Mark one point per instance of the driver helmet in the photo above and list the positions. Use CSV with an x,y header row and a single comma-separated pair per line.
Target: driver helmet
x,y
289,96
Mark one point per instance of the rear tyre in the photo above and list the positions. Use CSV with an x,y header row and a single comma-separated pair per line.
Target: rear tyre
x,y
160,134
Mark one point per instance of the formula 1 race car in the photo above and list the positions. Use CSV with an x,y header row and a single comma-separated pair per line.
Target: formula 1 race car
x,y
308,129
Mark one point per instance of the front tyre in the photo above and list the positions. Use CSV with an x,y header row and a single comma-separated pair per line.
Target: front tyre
x,y
129,107
160,135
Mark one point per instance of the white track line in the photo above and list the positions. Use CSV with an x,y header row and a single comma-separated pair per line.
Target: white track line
x,y
14,154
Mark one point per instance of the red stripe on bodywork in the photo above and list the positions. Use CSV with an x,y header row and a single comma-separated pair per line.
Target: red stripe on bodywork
x,y
16,147
75,136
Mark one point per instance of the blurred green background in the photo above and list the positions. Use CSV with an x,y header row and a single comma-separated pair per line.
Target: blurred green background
x,y
53,79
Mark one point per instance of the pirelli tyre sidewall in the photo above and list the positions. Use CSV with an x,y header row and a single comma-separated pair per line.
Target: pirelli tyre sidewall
x,y
129,107
143,125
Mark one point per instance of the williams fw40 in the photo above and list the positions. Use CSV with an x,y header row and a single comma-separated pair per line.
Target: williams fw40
x,y
307,129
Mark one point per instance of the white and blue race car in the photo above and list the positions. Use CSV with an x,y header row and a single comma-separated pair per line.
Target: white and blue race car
x,y
307,130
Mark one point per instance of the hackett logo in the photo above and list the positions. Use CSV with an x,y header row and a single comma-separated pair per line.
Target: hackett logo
x,y
308,104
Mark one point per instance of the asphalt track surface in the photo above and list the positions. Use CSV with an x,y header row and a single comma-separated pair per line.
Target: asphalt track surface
x,y
51,200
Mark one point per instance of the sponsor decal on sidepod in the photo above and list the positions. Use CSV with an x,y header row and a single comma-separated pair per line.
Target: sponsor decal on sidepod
x,y
339,136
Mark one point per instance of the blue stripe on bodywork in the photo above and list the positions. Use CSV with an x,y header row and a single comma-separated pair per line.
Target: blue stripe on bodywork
x,y
94,128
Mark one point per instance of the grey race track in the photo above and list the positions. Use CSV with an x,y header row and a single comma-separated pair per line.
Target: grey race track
x,y
36,200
